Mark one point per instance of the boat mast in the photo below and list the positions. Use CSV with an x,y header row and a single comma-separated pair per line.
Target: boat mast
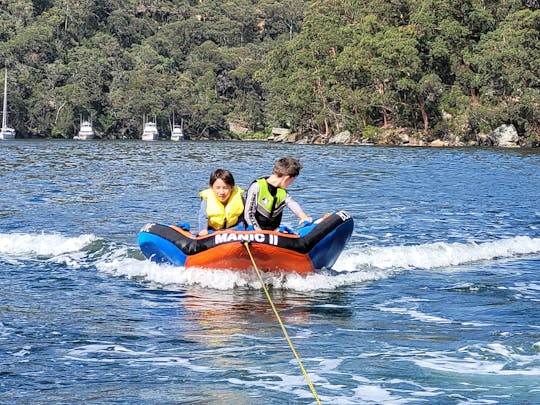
x,y
4,111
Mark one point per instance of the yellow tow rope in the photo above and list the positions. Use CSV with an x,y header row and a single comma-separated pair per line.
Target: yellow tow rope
x,y
311,387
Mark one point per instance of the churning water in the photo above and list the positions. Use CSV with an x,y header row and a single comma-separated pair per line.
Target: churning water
x,y
434,300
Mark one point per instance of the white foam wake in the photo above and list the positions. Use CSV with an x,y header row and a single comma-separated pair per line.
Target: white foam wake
x,y
356,265
433,255
225,279
23,245
491,359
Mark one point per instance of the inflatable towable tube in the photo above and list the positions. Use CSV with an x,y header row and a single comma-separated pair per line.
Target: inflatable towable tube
x,y
316,245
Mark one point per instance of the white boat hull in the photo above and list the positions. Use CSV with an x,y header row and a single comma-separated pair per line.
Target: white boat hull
x,y
83,137
149,137
177,133
7,133
150,132
86,132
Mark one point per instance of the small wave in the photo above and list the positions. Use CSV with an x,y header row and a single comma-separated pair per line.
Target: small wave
x,y
491,359
73,252
408,306
4,330
114,353
434,255
527,290
356,265
25,245
224,279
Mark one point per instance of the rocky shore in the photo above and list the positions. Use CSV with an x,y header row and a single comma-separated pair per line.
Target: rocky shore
x,y
505,136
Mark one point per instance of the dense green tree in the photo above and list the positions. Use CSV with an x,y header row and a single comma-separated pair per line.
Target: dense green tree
x,y
207,64
508,64
128,28
45,104
318,66
136,96
244,94
36,44
387,61
14,16
281,16
178,99
300,74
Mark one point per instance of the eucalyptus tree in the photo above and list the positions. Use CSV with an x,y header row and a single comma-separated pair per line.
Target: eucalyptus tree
x,y
137,91
447,33
177,39
281,17
36,44
243,20
35,48
507,60
299,74
346,68
243,94
39,46
91,67
129,28
204,65
46,104
14,16
178,98
135,96
225,23
384,68
78,19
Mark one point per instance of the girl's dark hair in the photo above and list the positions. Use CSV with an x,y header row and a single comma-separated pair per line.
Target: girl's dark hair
x,y
222,174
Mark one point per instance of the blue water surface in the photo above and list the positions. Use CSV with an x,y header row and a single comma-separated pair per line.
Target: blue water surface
x,y
434,300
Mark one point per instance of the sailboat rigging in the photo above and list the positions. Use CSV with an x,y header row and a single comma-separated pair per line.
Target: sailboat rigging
x,y
6,132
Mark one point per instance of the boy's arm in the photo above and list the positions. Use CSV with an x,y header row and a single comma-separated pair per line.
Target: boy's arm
x,y
250,207
298,211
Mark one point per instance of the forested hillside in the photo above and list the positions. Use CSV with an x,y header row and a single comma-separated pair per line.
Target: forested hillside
x,y
440,68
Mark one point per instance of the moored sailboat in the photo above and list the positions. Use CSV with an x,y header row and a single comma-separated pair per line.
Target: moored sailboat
x,y
6,132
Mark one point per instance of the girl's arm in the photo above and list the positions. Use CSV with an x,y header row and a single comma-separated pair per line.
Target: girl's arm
x,y
203,218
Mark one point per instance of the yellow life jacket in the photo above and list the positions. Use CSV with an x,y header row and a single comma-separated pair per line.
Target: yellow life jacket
x,y
220,216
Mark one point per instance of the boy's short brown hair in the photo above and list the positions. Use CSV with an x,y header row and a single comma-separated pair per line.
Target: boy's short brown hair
x,y
287,166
